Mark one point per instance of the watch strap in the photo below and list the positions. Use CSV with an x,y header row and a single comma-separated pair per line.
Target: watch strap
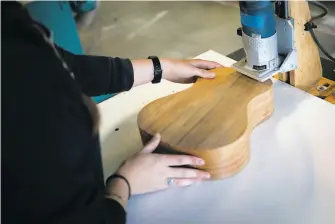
x,y
157,69
123,178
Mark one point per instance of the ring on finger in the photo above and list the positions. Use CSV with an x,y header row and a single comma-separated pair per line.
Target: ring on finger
x,y
170,181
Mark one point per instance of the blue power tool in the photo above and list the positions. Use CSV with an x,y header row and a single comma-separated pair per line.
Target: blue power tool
x,y
268,37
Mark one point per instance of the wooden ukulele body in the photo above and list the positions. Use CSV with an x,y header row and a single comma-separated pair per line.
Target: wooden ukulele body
x,y
213,119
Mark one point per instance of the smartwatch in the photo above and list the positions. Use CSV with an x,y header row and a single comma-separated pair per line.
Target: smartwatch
x,y
157,69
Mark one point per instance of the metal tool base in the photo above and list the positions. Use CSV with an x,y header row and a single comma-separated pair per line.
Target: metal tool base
x,y
288,63
241,66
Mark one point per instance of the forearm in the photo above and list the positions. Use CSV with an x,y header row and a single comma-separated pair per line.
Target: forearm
x,y
102,75
98,75
144,70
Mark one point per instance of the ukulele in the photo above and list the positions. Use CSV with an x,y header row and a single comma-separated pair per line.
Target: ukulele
x,y
213,120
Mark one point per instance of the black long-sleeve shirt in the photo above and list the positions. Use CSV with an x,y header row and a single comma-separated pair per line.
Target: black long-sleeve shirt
x,y
51,166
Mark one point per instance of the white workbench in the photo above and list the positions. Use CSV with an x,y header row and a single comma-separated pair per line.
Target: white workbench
x,y
290,177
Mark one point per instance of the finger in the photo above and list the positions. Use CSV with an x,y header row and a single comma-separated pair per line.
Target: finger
x,y
152,144
190,80
182,182
205,74
180,160
203,64
188,173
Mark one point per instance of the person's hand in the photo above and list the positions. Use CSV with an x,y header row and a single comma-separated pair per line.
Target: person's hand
x,y
186,71
148,172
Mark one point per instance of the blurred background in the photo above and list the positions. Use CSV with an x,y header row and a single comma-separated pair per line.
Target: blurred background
x,y
176,29
170,29
137,29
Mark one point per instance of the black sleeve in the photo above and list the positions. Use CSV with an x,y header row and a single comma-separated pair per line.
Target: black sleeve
x,y
98,75
119,214
51,165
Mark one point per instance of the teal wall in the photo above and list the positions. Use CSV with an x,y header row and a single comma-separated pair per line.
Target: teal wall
x,y
57,16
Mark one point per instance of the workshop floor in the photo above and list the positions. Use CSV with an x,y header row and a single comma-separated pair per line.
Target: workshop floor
x,y
166,29
173,29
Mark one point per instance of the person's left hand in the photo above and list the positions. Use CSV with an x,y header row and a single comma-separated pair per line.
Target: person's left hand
x,y
186,71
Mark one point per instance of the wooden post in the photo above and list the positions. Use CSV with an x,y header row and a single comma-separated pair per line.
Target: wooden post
x,y
309,70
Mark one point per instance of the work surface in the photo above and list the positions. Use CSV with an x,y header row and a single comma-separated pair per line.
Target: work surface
x,y
290,177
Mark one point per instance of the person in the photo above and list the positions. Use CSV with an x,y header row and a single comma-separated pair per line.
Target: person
x,y
51,161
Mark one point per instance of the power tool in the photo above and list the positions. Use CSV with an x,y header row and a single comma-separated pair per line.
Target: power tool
x,y
268,37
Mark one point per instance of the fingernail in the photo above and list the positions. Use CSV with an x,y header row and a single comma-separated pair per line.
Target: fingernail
x,y
207,175
212,75
200,162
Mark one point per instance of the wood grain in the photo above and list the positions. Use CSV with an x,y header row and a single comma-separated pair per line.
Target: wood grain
x,y
213,119
309,69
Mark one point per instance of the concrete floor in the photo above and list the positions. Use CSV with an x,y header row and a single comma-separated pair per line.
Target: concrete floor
x,y
165,29
174,29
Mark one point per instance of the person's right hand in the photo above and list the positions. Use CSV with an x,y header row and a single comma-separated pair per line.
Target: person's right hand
x,y
148,172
